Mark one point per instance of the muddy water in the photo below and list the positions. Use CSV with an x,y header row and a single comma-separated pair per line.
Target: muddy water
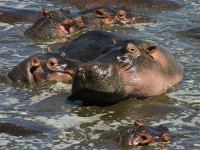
x,y
44,106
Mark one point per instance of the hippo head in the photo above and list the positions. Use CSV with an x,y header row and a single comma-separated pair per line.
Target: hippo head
x,y
44,66
102,81
53,24
141,134
120,16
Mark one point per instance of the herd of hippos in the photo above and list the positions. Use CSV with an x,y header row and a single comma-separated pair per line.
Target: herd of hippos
x,y
104,68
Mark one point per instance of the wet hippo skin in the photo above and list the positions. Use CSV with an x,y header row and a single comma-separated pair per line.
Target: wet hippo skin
x,y
154,4
130,69
42,67
54,24
16,130
12,15
114,15
141,134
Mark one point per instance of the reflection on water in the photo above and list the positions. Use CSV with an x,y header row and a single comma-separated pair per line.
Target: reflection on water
x,y
73,126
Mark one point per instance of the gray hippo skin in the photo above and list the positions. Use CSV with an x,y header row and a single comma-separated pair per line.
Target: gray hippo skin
x,y
159,5
16,130
131,69
54,24
141,134
42,67
12,15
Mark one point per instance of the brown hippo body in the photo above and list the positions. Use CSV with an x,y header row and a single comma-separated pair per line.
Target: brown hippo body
x,y
131,68
154,4
42,67
141,134
12,15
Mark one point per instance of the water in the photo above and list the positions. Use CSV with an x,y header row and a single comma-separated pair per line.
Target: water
x,y
82,127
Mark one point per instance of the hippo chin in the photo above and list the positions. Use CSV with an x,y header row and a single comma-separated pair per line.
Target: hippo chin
x,y
141,134
43,67
131,69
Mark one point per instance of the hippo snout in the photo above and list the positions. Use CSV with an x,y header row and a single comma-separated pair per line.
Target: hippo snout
x,y
95,81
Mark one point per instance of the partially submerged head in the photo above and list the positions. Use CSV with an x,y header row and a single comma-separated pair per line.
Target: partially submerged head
x,y
141,134
121,16
44,67
53,24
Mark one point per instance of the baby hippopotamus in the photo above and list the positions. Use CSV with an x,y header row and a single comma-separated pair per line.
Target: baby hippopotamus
x,y
42,67
141,134
130,69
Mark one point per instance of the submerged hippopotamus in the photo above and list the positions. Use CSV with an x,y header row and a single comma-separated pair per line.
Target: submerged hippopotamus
x,y
141,134
54,24
43,67
12,15
114,15
192,32
153,4
16,130
130,69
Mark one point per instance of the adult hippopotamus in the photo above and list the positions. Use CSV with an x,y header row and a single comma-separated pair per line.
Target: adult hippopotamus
x,y
41,67
153,4
115,15
130,69
54,24
192,32
141,134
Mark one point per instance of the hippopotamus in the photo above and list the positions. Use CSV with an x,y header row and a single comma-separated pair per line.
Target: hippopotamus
x,y
192,32
16,130
12,15
43,67
160,5
141,134
114,15
54,24
130,69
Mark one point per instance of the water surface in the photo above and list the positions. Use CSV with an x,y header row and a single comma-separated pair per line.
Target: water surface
x,y
73,126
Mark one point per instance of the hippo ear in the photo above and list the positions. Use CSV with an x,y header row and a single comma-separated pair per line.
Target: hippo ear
x,y
151,49
52,64
35,62
166,137
63,54
138,123
114,41
65,9
131,47
49,50
45,11
145,139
